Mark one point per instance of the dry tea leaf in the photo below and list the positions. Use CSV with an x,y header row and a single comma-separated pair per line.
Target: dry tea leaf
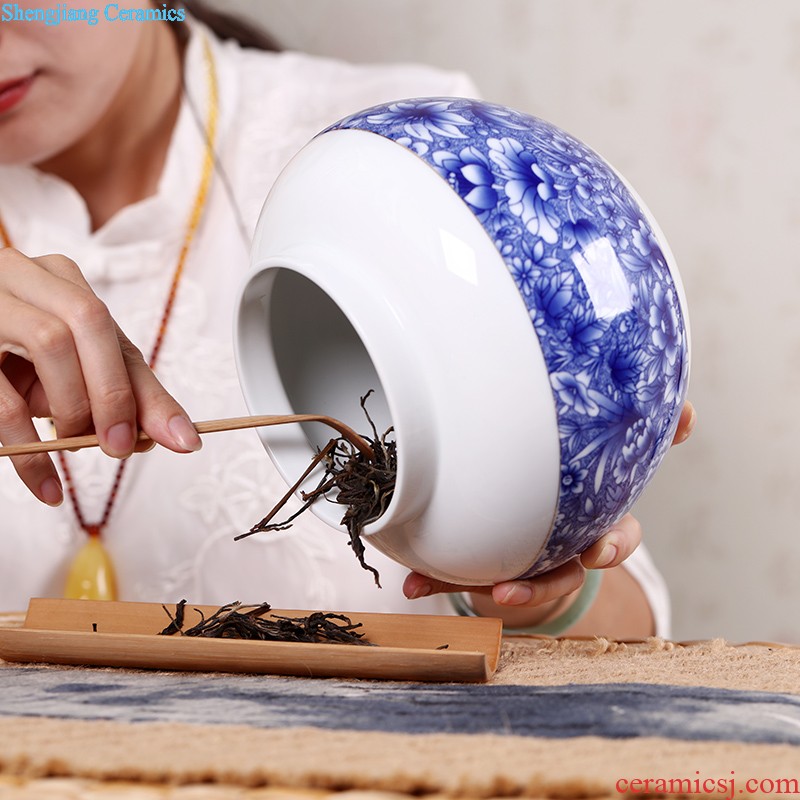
x,y
365,485
237,621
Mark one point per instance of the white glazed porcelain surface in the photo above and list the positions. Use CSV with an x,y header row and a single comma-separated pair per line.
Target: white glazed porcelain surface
x,y
369,273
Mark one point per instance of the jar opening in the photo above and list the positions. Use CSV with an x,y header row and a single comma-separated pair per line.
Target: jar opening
x,y
324,368
321,360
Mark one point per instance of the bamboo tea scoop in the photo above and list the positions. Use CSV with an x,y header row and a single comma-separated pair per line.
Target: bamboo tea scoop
x,y
209,426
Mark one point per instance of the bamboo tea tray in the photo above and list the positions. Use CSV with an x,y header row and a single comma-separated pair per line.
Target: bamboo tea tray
x,y
62,632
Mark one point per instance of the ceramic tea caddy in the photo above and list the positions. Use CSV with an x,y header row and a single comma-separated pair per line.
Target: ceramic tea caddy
x,y
511,302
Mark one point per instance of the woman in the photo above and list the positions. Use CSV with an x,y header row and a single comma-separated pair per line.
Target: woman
x,y
143,151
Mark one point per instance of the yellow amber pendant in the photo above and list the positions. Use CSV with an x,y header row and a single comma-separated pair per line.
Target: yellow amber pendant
x,y
91,576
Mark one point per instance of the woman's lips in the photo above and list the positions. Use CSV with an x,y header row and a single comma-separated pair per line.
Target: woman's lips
x,y
13,92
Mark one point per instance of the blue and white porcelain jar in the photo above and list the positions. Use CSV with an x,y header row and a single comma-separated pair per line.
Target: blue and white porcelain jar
x,y
510,300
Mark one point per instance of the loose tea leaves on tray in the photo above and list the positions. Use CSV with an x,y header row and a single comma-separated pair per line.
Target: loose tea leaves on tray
x,y
237,621
365,485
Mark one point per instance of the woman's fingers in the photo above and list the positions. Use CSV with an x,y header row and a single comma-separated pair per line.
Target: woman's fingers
x,y
616,544
686,423
417,585
110,402
22,376
62,355
529,592
46,341
37,471
70,337
160,416
542,589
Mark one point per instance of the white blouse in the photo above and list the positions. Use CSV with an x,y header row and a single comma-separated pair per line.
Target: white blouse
x,y
171,531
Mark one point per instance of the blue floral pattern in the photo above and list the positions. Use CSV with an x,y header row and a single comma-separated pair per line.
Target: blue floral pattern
x,y
594,280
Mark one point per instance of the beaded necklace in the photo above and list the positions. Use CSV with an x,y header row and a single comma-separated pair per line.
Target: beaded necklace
x,y
91,574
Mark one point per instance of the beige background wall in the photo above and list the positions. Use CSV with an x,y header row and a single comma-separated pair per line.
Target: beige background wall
x,y
698,104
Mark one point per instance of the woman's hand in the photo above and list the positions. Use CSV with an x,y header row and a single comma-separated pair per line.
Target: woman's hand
x,y
63,356
529,602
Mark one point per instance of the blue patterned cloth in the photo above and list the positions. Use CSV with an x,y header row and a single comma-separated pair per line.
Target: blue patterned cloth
x,y
605,710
